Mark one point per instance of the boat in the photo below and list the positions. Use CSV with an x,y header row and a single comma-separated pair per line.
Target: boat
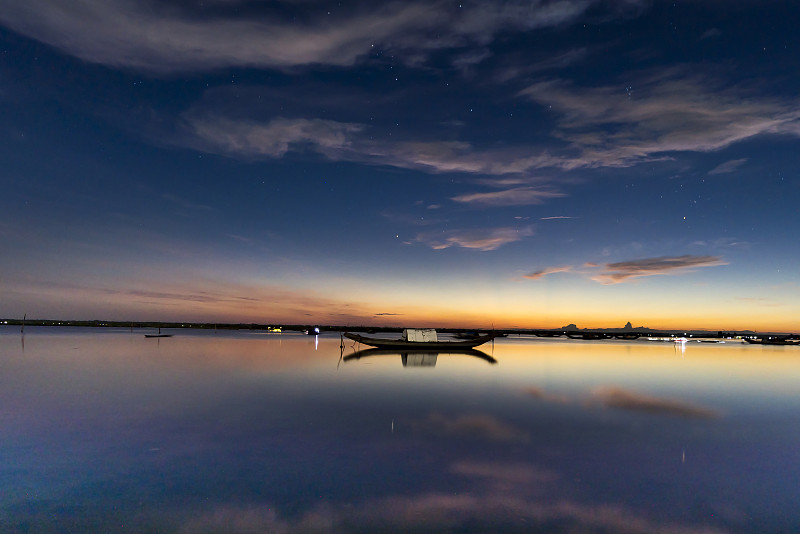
x,y
773,341
419,358
419,339
158,335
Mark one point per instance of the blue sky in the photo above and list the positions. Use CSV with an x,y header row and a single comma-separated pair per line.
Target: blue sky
x,y
455,163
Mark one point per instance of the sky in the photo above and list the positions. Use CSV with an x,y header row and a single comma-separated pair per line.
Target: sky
x,y
517,164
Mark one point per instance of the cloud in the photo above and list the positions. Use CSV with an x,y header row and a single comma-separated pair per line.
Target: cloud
x,y
615,397
274,138
728,166
518,196
549,270
713,32
594,127
160,36
349,141
623,271
481,239
670,111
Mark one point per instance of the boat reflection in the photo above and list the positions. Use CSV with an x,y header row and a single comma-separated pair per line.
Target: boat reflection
x,y
419,358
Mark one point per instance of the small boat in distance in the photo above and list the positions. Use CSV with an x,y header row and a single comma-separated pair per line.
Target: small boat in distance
x,y
419,339
158,335
773,341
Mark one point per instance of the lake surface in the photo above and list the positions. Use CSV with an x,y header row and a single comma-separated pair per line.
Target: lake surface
x,y
106,431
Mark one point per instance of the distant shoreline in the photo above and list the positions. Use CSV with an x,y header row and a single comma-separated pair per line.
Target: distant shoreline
x,y
574,332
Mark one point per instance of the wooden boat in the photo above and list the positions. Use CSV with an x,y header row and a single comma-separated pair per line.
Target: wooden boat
x,y
404,353
158,335
773,341
440,346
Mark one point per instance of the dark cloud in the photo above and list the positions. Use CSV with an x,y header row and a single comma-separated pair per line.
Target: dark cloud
x,y
547,271
614,273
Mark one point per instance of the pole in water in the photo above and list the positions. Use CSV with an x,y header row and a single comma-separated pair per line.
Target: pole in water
x,y
22,330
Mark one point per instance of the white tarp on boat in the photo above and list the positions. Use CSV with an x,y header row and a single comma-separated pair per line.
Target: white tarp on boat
x,y
419,359
415,334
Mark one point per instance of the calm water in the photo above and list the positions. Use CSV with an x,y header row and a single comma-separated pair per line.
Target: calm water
x,y
106,431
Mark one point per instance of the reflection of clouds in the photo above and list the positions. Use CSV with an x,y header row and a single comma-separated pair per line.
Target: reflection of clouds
x,y
543,395
615,397
438,511
237,519
504,475
475,425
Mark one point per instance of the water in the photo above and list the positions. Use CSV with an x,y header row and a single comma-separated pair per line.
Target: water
x,y
106,431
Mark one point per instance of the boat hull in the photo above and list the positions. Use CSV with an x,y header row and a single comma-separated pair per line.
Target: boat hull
x,y
364,353
419,345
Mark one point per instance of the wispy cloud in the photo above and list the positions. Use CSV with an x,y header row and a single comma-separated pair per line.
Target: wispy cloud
x,y
614,273
518,196
250,33
276,137
666,112
547,271
355,142
480,239
728,166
